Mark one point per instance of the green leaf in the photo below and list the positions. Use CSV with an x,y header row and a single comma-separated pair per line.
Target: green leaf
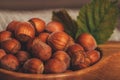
x,y
98,18
70,25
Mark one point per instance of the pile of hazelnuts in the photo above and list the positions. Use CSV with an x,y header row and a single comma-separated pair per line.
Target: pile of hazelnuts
x,y
36,47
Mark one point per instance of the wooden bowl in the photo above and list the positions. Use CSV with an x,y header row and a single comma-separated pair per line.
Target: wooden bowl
x,y
108,68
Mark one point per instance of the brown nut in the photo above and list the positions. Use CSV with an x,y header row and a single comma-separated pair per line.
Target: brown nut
x,y
24,32
87,41
63,56
11,46
43,36
33,65
12,26
2,53
54,26
77,55
5,35
55,66
84,64
94,56
41,50
70,42
22,56
9,62
74,49
58,40
38,24
77,58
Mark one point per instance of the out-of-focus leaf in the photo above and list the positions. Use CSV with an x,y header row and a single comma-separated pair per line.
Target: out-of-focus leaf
x,y
70,25
98,18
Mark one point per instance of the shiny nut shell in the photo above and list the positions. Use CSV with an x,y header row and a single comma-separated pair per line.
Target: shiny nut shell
x,y
55,66
9,62
41,50
11,46
33,65
63,56
5,35
12,26
24,32
94,56
74,48
38,24
22,56
2,53
54,26
58,40
43,36
87,41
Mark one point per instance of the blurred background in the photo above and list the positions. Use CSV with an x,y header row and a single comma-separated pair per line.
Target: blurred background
x,y
41,4
23,10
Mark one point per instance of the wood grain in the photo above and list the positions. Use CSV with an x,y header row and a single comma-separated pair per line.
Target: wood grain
x,y
108,68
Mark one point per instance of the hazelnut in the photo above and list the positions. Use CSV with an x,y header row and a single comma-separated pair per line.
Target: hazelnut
x,y
86,63
33,65
38,24
87,41
5,35
24,32
63,56
43,36
58,40
2,53
54,26
11,46
70,42
55,66
22,56
12,26
9,62
77,58
77,55
74,48
41,50
94,56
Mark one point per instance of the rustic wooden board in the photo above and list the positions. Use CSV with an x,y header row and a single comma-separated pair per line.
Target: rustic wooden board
x,y
108,68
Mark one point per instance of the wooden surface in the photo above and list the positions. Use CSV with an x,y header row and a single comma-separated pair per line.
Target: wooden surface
x,y
108,68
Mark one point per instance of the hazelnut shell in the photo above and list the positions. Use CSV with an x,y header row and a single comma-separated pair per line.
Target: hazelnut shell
x,y
24,32
9,62
38,24
54,26
11,46
33,65
5,35
22,56
58,40
41,50
2,53
87,41
63,56
55,66
12,26
43,36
